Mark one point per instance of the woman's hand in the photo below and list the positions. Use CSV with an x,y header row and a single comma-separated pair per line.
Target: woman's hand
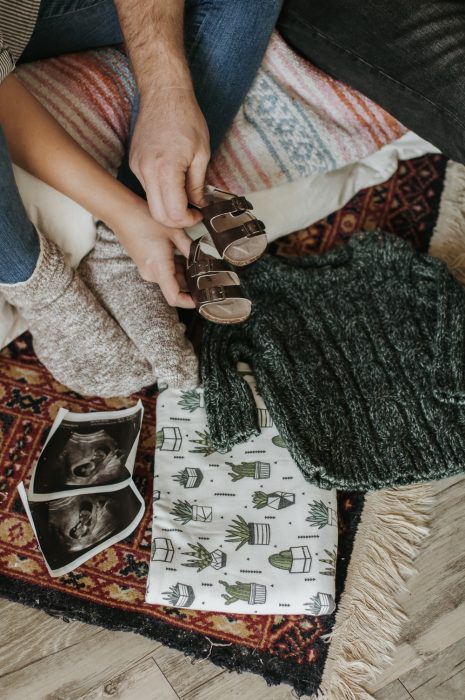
x,y
151,245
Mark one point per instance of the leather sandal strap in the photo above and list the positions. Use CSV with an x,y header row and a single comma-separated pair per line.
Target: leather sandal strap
x,y
218,293
234,205
209,266
200,265
223,239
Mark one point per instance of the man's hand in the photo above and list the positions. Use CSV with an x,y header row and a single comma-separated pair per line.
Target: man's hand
x,y
170,146
170,153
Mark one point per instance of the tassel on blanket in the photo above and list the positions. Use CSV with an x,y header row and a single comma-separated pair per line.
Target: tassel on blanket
x,y
448,240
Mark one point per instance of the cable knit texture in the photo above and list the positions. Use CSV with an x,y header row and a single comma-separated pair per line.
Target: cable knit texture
x,y
141,310
73,336
359,355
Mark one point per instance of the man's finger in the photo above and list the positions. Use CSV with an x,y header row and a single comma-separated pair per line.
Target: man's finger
x,y
134,167
154,196
182,242
195,178
173,191
169,184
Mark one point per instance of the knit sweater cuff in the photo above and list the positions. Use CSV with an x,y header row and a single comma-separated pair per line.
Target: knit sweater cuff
x,y
448,372
229,402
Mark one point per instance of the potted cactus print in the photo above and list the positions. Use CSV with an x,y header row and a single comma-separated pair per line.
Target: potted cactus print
x,y
277,499
184,512
254,470
330,561
296,560
181,595
248,533
162,549
204,445
169,439
321,515
201,557
191,400
321,604
278,441
251,593
190,477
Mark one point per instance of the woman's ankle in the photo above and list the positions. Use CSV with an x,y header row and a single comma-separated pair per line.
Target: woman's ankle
x,y
50,275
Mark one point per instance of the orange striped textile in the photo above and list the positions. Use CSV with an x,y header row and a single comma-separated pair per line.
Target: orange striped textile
x,y
294,122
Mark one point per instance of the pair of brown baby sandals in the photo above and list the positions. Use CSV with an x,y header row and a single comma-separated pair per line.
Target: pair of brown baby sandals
x,y
239,239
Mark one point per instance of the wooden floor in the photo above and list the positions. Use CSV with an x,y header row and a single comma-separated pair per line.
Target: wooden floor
x,y
42,658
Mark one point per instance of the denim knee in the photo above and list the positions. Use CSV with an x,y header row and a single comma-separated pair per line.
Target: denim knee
x,y
19,242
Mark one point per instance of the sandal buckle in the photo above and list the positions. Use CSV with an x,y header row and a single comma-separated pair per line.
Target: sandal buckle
x,y
215,294
253,228
240,204
204,266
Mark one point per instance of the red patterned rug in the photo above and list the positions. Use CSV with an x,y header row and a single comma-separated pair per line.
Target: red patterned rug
x,y
109,589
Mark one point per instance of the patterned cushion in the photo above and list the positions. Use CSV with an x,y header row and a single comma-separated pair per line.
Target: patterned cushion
x,y
294,122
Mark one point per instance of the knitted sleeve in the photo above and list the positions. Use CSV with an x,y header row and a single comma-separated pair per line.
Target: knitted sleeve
x,y
448,372
229,403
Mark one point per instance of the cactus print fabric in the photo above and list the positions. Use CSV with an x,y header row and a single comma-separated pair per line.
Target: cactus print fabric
x,y
242,530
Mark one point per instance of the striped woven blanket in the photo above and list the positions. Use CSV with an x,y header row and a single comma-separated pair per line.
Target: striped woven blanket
x,y
295,120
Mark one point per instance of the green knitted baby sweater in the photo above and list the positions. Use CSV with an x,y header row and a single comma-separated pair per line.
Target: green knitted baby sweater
x,y
359,355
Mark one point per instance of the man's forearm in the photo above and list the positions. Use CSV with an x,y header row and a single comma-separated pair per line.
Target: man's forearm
x,y
170,145
153,30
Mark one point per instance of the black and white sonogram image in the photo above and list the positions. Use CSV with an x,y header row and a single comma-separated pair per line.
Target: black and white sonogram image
x,y
69,527
86,454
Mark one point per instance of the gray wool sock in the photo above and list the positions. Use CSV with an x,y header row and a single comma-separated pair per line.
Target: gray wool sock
x,y
141,310
73,335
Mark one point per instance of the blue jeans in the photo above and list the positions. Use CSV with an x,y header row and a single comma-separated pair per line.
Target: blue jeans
x,y
225,42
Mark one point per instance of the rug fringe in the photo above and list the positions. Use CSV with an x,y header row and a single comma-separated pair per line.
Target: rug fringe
x,y
448,239
393,525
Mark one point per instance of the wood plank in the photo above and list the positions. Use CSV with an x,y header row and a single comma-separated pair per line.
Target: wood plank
x,y
72,672
144,680
445,632
239,686
452,689
27,635
442,673
183,675
393,691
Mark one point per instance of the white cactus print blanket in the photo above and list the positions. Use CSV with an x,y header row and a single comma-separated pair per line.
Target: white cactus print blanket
x,y
241,532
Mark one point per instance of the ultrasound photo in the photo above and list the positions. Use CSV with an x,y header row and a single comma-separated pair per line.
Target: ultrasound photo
x,y
73,529
87,453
